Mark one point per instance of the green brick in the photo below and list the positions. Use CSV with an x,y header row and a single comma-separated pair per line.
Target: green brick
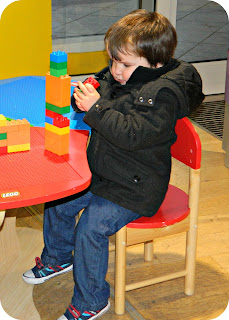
x,y
58,69
58,66
58,73
56,109
3,136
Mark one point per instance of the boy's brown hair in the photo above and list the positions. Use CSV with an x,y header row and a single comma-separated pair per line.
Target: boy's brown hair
x,y
147,34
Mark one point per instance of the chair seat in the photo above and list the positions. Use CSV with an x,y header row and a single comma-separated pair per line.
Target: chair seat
x,y
173,209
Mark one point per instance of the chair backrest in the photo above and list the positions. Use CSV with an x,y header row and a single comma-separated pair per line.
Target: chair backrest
x,y
187,147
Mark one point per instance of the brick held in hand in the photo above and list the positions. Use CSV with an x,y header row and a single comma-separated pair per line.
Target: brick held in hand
x,y
92,81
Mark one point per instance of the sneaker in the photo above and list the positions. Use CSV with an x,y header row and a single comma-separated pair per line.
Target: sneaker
x,y
41,273
72,313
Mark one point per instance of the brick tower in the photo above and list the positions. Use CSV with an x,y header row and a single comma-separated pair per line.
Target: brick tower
x,y
58,92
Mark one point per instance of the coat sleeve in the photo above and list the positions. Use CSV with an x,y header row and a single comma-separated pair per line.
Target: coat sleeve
x,y
144,125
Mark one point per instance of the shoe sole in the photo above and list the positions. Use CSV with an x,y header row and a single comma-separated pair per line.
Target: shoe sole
x,y
105,309
63,317
43,279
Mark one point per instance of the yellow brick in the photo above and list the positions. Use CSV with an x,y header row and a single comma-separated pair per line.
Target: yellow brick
x,y
18,148
57,130
2,120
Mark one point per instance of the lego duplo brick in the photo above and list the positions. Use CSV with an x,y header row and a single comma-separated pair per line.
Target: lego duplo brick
x,y
15,125
56,109
18,137
3,150
58,73
2,120
58,65
58,69
58,144
49,120
92,81
58,56
18,148
3,136
3,123
61,122
58,90
51,114
57,130
3,129
12,126
18,125
24,125
3,143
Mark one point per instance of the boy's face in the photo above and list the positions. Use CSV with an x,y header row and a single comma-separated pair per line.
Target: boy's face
x,y
123,69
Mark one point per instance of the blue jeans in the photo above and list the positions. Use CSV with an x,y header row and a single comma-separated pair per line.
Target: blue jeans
x,y
89,241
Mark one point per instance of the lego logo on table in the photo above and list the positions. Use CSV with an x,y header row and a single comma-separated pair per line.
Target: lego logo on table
x,y
11,194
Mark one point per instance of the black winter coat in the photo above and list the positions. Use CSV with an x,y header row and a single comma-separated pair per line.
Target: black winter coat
x,y
133,130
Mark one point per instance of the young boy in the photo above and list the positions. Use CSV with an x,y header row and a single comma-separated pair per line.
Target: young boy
x,y
132,115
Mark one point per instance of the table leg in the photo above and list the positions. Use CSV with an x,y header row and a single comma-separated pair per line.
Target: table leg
x,y
2,216
9,244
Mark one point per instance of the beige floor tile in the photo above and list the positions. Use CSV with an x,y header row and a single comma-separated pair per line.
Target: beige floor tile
x,y
223,260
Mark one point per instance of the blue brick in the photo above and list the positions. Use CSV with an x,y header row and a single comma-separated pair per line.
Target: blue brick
x,y
58,56
49,120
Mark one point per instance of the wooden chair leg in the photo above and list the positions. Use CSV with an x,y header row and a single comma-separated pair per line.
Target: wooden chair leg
x,y
192,233
120,270
190,264
148,250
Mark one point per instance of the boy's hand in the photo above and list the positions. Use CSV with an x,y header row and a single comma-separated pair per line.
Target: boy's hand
x,y
85,96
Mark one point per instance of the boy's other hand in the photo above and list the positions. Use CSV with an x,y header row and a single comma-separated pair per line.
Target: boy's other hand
x,y
85,96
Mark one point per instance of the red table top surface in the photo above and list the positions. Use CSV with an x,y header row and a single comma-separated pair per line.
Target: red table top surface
x,y
38,176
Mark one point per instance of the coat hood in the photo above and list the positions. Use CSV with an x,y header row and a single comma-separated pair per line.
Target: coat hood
x,y
188,84
184,81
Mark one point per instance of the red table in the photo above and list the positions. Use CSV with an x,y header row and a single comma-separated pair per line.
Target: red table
x,y
38,176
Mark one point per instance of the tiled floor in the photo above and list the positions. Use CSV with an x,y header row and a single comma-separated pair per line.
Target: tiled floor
x,y
202,26
203,31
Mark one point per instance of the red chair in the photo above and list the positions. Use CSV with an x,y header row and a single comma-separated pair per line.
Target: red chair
x,y
178,213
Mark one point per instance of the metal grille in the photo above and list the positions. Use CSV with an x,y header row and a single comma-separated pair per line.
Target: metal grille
x,y
210,117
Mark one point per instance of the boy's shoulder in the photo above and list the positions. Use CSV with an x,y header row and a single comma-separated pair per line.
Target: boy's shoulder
x,y
185,71
182,76
183,81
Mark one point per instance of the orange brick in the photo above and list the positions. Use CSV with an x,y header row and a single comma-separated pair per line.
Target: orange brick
x,y
3,129
58,144
24,125
18,137
12,125
58,90
3,143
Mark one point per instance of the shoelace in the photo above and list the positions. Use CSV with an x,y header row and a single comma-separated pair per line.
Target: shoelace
x,y
74,311
39,264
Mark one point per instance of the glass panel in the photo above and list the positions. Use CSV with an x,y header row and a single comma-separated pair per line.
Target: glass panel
x,y
77,21
203,31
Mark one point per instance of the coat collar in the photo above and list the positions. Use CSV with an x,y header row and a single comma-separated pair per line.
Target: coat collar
x,y
140,75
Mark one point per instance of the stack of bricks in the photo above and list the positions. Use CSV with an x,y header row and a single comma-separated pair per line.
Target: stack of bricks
x,y
14,135
58,91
